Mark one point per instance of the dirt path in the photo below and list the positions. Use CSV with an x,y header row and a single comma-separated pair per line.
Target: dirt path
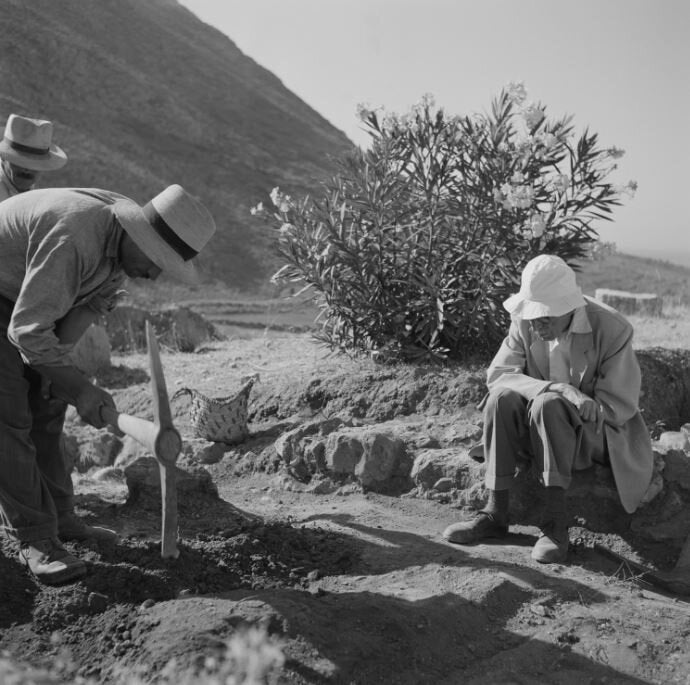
x,y
417,609
352,588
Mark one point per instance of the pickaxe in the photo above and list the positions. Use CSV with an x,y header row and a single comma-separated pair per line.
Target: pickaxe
x,y
162,440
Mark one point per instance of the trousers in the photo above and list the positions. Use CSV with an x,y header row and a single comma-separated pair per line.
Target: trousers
x,y
546,432
35,480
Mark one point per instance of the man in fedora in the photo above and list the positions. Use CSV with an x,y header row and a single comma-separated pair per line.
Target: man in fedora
x,y
64,252
26,151
563,393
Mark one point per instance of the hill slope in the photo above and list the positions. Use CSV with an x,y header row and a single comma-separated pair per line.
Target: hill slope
x,y
143,94
637,274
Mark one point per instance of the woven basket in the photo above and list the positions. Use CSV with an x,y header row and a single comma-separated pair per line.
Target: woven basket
x,y
220,419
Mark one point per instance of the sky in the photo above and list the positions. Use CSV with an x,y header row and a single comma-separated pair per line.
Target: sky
x,y
620,67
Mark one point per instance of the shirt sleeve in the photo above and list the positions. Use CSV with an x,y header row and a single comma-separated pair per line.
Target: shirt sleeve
x,y
50,288
108,295
507,370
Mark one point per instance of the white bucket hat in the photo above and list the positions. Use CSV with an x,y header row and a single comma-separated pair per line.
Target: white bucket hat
x,y
547,288
170,230
28,144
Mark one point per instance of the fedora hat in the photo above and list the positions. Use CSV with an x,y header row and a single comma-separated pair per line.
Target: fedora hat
x,y
547,288
170,230
27,143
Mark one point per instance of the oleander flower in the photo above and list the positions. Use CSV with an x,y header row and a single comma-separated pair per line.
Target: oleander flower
x,y
537,225
364,111
515,196
560,183
533,114
517,93
548,140
282,201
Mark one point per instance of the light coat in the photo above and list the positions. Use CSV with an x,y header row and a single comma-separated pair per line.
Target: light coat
x,y
604,367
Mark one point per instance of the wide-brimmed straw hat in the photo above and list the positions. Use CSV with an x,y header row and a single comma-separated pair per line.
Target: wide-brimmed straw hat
x,y
28,144
547,288
170,230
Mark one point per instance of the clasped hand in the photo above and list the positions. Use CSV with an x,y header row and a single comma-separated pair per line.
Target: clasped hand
x,y
586,407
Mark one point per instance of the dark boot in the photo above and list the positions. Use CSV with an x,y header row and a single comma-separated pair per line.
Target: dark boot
x,y
552,545
482,525
50,562
71,527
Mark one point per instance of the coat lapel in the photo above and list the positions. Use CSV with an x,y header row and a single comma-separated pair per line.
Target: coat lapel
x,y
540,353
582,344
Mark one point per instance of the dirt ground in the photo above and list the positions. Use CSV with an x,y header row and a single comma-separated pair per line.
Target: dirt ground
x,y
347,587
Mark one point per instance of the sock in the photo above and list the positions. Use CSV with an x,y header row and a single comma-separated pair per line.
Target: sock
x,y
554,509
497,505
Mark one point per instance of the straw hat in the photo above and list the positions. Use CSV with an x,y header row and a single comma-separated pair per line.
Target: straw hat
x,y
547,288
27,143
170,230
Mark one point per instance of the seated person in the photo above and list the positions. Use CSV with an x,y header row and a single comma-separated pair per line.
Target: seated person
x,y
563,392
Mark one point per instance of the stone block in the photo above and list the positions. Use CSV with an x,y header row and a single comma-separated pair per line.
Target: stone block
x,y
645,304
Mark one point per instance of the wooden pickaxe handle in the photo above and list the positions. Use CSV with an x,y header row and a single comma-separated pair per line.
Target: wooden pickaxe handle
x,y
161,438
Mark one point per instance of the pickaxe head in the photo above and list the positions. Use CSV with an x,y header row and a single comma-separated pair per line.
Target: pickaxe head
x,y
167,442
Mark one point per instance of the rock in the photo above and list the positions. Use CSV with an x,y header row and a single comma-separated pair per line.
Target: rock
x,y
178,328
675,440
321,486
384,461
205,451
143,479
677,465
97,602
431,466
109,474
665,395
378,460
298,442
647,304
86,447
343,452
443,485
91,354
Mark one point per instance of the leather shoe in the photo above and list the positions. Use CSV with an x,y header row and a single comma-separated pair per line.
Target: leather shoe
x,y
71,527
50,562
482,525
552,545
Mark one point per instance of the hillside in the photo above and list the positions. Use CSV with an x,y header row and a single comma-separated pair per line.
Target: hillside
x,y
637,274
144,94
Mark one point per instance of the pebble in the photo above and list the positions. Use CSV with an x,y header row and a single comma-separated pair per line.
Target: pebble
x,y
97,602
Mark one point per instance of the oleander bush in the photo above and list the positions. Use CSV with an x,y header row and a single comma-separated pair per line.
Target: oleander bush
x,y
412,247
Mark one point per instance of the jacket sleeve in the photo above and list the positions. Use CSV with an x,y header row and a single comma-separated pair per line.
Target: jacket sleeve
x,y
508,370
50,287
617,386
